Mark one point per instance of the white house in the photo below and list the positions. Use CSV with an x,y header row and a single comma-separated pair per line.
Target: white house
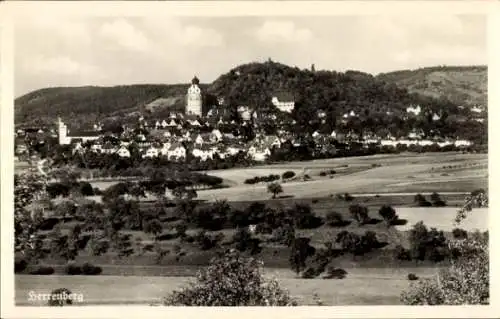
x,y
462,143
177,151
151,152
217,135
259,153
203,152
284,101
123,152
415,110
96,147
476,109
195,123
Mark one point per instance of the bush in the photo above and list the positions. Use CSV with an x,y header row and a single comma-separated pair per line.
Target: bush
x,y
309,273
20,265
402,253
89,269
459,233
42,270
335,273
322,174
86,189
244,285
73,269
288,174
388,214
348,197
412,277
55,300
335,219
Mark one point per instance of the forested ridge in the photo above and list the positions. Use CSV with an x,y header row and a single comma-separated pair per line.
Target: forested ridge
x,y
251,84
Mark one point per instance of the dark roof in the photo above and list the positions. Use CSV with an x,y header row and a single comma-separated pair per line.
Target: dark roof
x,y
195,80
284,96
84,133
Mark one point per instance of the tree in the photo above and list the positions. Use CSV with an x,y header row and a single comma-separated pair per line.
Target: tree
x,y
183,193
419,236
466,281
243,285
153,227
299,252
275,189
359,213
244,241
388,214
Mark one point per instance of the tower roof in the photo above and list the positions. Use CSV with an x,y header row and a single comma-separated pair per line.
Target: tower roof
x,y
195,80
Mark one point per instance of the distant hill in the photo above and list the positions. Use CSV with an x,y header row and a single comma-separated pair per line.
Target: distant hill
x,y
92,101
467,85
254,84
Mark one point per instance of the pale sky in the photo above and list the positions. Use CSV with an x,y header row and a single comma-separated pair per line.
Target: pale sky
x,y
115,51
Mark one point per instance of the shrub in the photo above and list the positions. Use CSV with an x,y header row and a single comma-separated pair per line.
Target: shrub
x,y
207,242
73,269
56,298
348,197
288,174
244,285
322,174
244,241
20,265
335,273
412,277
284,235
359,213
402,253
300,251
42,270
89,269
275,189
335,219
459,233
86,189
309,273
388,214
439,203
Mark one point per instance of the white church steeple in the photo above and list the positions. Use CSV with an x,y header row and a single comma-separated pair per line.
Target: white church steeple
x,y
194,98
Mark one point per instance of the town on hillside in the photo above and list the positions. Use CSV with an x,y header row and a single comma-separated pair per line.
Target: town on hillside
x,y
219,133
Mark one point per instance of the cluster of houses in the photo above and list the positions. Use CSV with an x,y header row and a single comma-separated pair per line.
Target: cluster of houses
x,y
175,137
178,135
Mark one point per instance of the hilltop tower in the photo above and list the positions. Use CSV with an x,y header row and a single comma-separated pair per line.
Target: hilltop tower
x,y
194,98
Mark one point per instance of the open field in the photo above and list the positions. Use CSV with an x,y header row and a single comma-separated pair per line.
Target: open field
x,y
395,173
360,287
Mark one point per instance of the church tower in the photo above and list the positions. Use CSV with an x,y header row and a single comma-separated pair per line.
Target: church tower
x,y
194,98
63,132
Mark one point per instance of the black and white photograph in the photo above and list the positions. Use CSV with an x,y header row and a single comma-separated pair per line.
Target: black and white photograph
x,y
235,159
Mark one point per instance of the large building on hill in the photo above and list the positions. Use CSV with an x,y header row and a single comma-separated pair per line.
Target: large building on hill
x,y
66,136
284,101
194,99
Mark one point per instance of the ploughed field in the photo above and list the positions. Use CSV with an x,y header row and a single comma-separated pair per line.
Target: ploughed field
x,y
437,172
361,287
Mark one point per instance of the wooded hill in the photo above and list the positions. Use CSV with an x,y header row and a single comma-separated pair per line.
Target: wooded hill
x,y
253,84
462,85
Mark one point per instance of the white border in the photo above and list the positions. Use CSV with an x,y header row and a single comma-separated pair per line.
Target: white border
x,y
12,11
